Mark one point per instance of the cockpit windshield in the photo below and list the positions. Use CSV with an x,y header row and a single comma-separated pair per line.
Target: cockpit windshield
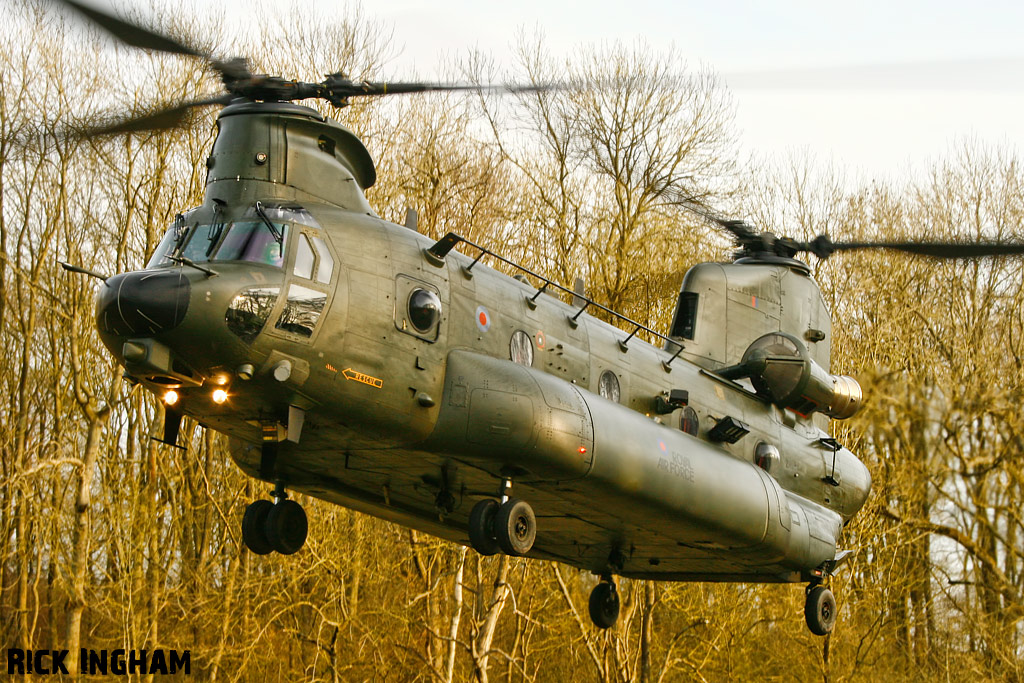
x,y
259,236
252,241
202,242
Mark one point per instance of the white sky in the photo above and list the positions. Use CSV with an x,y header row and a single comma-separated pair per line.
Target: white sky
x,y
961,64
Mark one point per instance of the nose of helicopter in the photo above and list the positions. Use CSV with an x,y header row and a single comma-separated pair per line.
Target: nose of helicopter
x,y
142,303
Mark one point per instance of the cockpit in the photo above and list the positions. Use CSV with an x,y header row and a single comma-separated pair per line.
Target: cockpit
x,y
285,237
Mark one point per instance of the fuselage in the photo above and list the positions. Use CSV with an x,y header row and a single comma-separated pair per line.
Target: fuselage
x,y
409,386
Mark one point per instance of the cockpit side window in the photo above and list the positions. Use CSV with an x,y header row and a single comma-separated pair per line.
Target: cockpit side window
x,y
304,258
166,246
311,264
312,256
171,241
325,268
302,311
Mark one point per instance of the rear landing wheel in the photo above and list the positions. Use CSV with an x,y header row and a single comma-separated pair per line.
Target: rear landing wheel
x,y
820,610
604,604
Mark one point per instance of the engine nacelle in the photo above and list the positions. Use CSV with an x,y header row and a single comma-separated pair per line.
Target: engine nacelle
x,y
782,371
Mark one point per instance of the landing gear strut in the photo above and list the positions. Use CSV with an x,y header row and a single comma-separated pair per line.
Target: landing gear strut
x,y
509,526
280,526
820,609
604,603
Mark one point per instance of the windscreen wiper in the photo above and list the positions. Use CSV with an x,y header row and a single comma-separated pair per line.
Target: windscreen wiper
x,y
185,261
278,235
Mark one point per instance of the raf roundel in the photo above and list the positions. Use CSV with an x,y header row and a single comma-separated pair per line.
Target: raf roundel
x,y
483,319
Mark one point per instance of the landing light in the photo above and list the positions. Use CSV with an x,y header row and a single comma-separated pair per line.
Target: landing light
x,y
220,396
171,397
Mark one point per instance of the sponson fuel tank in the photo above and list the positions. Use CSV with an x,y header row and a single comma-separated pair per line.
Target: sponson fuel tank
x,y
515,421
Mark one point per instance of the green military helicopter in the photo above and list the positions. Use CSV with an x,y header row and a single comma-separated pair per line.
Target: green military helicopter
x,y
357,361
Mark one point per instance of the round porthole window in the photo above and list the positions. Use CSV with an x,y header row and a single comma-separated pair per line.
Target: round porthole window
x,y
608,386
520,348
424,309
688,421
766,456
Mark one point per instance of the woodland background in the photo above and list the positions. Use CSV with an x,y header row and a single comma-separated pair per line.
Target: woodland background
x,y
110,540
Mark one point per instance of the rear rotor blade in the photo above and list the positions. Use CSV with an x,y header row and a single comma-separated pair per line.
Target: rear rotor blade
x,y
823,247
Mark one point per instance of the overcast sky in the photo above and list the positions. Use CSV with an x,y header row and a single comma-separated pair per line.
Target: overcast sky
x,y
959,66
956,68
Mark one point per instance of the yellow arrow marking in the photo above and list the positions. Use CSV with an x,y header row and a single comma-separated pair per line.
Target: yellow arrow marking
x,y
364,379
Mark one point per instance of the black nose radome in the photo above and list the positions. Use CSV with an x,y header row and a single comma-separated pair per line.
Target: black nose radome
x,y
142,303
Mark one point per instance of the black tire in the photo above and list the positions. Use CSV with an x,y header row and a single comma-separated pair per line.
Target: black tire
x,y
515,527
481,527
254,527
820,610
604,605
287,527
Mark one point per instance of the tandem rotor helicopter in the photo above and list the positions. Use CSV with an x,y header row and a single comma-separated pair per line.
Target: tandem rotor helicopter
x,y
360,362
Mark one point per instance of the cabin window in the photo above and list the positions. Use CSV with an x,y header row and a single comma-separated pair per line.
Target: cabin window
x,y
422,313
688,421
608,386
686,316
254,241
302,311
424,309
520,348
766,456
248,312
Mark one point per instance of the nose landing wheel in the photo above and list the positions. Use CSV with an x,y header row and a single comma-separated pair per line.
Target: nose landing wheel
x,y
509,527
515,527
280,526
254,524
481,527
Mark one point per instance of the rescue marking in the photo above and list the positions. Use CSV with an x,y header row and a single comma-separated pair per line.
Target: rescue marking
x,y
349,373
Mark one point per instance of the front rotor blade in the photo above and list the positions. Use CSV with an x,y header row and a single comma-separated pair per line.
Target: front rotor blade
x,y
342,87
743,233
132,34
164,119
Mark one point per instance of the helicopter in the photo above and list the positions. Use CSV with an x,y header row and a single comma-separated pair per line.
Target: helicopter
x,y
360,362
